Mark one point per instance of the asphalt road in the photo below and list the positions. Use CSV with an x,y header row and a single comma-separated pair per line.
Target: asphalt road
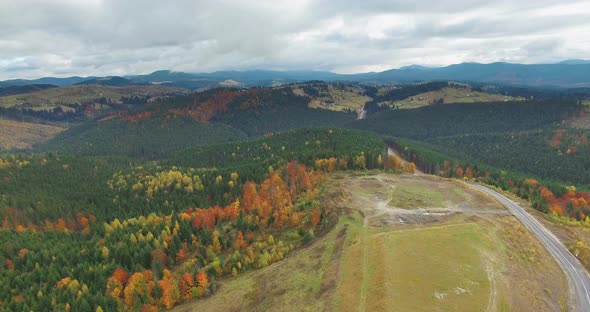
x,y
578,277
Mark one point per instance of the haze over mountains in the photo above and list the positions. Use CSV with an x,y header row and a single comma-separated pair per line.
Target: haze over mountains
x,y
568,73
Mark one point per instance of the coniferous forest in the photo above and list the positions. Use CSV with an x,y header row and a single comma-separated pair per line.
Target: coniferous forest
x,y
147,207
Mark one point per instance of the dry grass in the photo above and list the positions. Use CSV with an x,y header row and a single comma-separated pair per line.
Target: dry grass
x,y
77,94
450,95
407,275
23,135
335,99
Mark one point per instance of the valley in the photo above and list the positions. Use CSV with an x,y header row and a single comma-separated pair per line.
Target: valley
x,y
231,199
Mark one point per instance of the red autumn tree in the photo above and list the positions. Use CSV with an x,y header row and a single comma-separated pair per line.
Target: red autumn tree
x,y
459,171
186,286
9,264
315,217
250,198
240,242
468,173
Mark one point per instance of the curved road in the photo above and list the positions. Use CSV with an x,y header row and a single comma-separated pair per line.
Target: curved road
x,y
578,277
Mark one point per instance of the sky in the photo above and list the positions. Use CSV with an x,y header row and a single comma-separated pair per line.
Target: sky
x,y
62,38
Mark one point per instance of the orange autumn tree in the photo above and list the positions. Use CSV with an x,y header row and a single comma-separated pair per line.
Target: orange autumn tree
x,y
116,283
468,173
250,199
139,285
186,286
297,178
315,217
274,196
240,243
459,171
170,291
392,162
203,283
410,168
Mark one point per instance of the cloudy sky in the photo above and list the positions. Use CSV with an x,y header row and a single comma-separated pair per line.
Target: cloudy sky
x,y
115,37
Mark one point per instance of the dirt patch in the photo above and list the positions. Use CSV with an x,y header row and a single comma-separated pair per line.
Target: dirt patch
x,y
23,135
511,260
298,91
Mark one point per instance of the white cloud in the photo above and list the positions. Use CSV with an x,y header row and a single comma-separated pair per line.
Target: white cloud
x,y
113,37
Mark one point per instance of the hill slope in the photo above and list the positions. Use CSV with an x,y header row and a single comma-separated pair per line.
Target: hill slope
x,y
463,119
149,138
83,93
23,135
11,90
215,116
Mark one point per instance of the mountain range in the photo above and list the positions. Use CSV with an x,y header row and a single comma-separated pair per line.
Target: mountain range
x,y
568,73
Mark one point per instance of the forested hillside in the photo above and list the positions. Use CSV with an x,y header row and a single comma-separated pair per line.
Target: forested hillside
x,y
548,195
461,119
560,154
97,233
156,130
146,138
304,145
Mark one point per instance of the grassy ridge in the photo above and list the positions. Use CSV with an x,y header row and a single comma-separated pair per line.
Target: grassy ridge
x,y
49,98
450,95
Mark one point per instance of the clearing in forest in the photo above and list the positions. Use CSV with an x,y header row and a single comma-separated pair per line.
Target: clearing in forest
x,y
23,135
396,249
450,95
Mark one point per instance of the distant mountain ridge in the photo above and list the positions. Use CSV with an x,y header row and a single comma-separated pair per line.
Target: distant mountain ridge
x,y
575,62
60,82
113,81
561,75
11,90
568,73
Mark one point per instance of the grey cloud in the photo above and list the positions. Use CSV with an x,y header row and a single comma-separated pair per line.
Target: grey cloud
x,y
107,37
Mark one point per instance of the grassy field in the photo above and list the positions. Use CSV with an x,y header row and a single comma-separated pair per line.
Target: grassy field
x,y
413,195
335,99
480,259
83,93
450,95
452,279
22,135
